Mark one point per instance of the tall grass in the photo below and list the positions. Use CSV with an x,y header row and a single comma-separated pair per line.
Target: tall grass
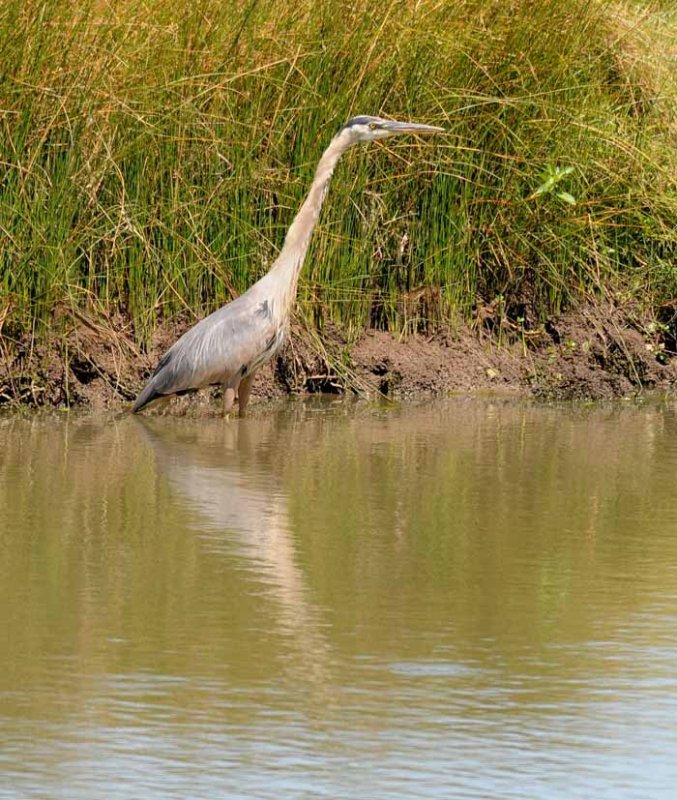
x,y
152,155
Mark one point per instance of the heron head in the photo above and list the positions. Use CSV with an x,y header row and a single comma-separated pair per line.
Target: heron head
x,y
369,129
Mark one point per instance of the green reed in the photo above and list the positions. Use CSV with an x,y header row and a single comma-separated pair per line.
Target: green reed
x,y
153,155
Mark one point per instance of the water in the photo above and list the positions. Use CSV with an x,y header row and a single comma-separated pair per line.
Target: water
x,y
463,599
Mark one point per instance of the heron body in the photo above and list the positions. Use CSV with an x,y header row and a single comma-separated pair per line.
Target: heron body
x,y
230,345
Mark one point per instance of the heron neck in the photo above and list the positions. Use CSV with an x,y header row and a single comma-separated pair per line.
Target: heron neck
x,y
297,240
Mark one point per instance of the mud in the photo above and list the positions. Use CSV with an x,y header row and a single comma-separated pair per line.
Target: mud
x,y
594,352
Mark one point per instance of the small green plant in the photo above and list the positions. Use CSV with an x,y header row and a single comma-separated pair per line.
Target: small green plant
x,y
550,179
657,327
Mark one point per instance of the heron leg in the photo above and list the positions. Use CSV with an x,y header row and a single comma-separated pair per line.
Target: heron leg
x,y
228,400
243,393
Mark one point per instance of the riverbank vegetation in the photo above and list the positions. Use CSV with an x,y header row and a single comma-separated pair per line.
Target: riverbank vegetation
x,y
152,156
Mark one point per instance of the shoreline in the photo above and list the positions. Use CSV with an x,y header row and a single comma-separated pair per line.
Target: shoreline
x,y
595,352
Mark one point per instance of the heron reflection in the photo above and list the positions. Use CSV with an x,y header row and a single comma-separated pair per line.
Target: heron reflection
x,y
240,509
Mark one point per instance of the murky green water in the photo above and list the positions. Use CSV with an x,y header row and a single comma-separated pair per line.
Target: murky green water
x,y
466,599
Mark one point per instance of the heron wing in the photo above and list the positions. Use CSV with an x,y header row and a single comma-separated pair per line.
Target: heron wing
x,y
229,342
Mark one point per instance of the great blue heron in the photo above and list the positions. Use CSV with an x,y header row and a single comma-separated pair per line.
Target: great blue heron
x,y
228,346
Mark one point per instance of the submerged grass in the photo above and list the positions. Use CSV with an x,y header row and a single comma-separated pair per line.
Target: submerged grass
x,y
153,155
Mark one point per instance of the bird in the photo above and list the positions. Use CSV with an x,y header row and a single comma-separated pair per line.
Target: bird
x,y
227,347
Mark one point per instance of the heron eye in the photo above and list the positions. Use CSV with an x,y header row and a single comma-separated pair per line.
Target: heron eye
x,y
372,126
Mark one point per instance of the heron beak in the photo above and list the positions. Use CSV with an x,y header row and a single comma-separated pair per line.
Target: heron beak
x,y
409,127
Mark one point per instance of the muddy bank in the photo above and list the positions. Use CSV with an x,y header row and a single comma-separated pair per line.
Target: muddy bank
x,y
598,352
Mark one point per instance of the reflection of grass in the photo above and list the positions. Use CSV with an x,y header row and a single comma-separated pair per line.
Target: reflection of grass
x,y
153,154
